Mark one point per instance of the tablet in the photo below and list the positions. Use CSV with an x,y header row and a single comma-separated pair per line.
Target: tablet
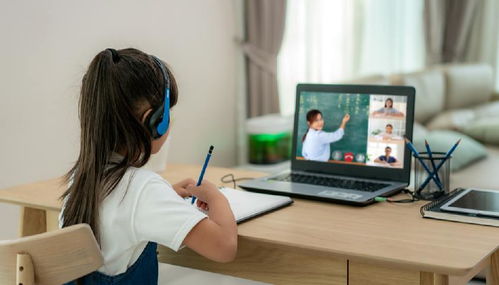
x,y
475,201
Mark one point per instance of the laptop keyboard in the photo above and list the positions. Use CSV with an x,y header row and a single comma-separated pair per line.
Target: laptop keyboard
x,y
331,182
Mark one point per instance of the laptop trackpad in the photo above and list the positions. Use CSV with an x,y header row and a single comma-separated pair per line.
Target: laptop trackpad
x,y
339,195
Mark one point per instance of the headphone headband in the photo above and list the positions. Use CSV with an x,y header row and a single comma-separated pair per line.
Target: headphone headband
x,y
159,120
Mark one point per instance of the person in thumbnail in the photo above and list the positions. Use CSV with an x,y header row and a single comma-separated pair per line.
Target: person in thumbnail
x,y
316,142
388,110
387,159
388,133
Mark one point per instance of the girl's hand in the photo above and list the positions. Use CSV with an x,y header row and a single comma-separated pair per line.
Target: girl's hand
x,y
181,186
202,205
206,192
346,118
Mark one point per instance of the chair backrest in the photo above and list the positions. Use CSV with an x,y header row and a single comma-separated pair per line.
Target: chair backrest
x,y
50,258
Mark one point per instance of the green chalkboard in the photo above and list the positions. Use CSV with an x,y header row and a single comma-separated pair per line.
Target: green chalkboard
x,y
333,107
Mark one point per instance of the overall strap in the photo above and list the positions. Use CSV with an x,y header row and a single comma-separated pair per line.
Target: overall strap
x,y
143,271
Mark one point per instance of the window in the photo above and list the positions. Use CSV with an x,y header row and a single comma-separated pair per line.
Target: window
x,y
332,40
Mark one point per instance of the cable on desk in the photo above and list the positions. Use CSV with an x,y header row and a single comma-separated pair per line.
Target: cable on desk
x,y
229,178
405,191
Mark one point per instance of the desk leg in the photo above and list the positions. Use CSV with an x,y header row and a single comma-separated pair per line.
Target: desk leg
x,y
373,274
441,279
434,279
33,221
493,270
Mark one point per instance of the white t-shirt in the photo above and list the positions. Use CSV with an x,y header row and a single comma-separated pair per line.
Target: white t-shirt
x,y
143,207
317,144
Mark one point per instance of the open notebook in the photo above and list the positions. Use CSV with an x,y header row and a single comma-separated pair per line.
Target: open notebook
x,y
247,205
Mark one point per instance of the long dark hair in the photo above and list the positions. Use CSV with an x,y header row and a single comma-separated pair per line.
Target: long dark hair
x,y
118,87
310,119
386,101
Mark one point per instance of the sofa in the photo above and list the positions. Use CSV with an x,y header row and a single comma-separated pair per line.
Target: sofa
x,y
453,98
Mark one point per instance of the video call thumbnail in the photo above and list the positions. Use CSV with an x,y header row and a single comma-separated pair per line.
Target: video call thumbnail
x,y
360,129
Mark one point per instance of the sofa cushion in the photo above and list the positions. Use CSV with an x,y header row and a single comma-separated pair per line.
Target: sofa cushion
x,y
452,120
485,130
468,151
430,91
468,85
481,123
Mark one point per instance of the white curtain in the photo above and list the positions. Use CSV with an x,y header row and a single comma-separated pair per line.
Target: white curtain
x,y
484,38
332,40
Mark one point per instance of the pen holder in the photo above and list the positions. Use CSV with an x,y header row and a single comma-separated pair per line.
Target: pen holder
x,y
430,190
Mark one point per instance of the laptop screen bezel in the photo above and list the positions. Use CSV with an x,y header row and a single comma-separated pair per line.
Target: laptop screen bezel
x,y
368,172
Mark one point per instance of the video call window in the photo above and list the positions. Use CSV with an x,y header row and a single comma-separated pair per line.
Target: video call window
x,y
345,128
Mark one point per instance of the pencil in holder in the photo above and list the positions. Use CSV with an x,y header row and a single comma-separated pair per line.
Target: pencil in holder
x,y
427,188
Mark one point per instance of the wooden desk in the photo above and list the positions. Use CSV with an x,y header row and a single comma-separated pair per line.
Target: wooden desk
x,y
318,243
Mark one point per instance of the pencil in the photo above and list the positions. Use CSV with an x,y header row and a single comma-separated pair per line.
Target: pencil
x,y
416,155
201,175
447,156
430,155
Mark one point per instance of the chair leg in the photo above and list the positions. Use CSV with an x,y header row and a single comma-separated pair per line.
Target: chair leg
x,y
25,273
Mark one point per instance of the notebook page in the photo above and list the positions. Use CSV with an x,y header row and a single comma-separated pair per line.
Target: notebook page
x,y
246,205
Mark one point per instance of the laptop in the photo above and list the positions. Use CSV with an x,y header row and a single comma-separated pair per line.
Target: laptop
x,y
352,164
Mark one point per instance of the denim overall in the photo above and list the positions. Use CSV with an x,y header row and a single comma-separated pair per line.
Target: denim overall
x,y
144,271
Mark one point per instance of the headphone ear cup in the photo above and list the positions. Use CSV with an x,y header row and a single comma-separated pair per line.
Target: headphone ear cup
x,y
150,125
153,120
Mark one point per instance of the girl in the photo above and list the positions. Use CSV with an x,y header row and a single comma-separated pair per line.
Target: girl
x,y
316,143
388,110
124,117
388,133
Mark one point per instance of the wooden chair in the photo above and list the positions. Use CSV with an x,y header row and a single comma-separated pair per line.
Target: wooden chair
x,y
50,258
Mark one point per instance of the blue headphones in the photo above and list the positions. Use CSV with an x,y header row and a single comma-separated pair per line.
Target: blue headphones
x,y
158,120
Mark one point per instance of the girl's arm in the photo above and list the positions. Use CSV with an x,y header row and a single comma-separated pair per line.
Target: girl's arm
x,y
345,120
180,187
215,237
337,135
380,111
395,113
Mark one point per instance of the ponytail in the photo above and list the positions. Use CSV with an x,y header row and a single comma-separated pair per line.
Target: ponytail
x,y
305,135
311,115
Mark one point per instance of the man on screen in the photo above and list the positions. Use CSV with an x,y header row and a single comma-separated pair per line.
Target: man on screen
x,y
387,159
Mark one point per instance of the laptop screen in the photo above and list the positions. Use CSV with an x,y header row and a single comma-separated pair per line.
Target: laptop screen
x,y
350,128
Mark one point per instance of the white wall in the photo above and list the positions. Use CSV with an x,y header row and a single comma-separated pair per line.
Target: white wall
x,y
45,47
